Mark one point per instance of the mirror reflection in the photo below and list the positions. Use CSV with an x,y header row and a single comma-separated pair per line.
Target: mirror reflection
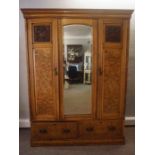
x,y
77,69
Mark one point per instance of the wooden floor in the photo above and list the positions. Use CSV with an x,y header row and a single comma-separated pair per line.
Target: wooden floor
x,y
127,149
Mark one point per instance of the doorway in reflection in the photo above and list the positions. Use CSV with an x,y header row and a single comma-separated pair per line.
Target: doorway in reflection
x,y
77,69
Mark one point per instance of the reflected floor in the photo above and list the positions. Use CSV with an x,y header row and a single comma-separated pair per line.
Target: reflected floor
x,y
77,99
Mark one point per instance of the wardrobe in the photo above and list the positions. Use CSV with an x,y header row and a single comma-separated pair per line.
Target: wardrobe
x,y
77,70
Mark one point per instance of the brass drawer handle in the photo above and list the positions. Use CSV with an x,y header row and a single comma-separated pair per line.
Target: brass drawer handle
x,y
66,131
43,131
90,129
111,128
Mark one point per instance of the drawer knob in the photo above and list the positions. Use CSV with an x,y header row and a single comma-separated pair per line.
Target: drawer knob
x,y
111,128
66,130
43,131
90,129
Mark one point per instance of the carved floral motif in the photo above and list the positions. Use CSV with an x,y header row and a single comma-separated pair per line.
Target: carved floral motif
x,y
42,33
112,33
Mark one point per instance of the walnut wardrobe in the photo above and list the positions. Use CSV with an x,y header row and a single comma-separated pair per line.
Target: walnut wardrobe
x,y
77,67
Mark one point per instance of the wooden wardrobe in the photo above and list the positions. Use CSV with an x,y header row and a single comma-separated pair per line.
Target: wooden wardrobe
x,y
53,120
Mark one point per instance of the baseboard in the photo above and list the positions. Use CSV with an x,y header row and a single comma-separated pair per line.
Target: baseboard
x,y
130,120
25,123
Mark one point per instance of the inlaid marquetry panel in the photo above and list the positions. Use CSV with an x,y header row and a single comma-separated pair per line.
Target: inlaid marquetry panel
x,y
44,92
112,77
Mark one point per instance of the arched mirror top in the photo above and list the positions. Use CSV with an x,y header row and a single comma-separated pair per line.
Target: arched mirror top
x,y
77,31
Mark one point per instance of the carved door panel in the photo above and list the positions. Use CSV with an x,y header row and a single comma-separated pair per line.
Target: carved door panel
x,y
112,67
43,69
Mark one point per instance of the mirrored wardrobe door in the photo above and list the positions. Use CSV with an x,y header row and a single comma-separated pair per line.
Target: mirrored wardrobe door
x,y
78,66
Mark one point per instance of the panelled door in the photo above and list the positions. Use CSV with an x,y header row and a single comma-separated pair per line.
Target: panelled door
x,y
43,69
112,67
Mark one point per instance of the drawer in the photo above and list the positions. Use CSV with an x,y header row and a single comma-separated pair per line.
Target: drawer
x,y
100,129
91,128
49,131
113,128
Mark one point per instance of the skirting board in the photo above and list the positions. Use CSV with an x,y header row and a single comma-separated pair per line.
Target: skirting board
x,y
25,123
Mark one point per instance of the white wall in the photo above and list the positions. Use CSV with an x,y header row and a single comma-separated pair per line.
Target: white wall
x,y
92,4
102,4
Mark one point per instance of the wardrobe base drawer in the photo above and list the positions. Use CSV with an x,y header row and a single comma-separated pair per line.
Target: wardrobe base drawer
x,y
91,129
51,131
101,129
77,133
114,128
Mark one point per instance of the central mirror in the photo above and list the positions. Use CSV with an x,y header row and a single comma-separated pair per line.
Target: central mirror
x,y
77,41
